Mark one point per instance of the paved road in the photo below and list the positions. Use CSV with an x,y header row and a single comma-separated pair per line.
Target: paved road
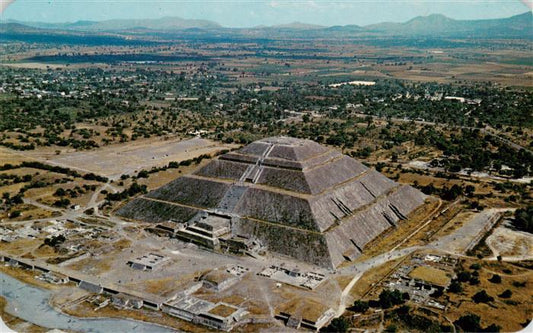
x,y
506,141
461,240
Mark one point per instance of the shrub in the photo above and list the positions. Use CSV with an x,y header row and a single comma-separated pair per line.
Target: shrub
x,y
482,297
391,328
496,279
474,280
475,266
143,174
14,214
506,294
519,284
455,287
60,192
464,276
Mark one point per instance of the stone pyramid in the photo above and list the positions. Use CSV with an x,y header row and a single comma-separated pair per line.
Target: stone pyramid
x,y
296,197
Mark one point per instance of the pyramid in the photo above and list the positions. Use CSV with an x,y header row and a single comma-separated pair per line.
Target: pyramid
x,y
293,196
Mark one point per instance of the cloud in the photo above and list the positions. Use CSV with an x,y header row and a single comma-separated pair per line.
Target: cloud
x,y
313,4
528,3
301,4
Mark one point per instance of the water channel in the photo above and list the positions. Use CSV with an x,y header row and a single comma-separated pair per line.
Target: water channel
x,y
31,304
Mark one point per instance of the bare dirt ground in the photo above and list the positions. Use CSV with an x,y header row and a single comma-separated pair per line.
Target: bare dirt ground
x,y
510,244
11,156
447,70
114,160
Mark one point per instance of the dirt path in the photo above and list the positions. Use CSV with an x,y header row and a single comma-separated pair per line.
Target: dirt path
x,y
424,224
345,293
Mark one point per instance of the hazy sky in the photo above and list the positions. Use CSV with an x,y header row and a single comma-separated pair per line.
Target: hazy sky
x,y
246,13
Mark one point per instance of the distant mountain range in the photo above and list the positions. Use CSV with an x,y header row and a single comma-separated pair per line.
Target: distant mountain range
x,y
435,25
440,24
164,23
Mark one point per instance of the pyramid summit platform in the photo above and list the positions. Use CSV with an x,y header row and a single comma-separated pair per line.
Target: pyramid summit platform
x,y
290,196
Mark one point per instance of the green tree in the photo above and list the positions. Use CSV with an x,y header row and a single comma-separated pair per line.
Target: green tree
x,y
482,297
14,214
506,294
523,219
360,306
337,325
496,278
469,323
391,328
455,287
389,298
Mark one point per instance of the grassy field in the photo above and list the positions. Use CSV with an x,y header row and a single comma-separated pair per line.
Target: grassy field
x,y
509,313
430,274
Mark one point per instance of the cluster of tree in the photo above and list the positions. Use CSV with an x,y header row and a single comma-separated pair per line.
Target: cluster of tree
x,y
109,93
17,146
337,325
72,142
446,193
62,203
56,100
54,168
402,314
53,111
92,176
133,190
471,149
387,299
462,277
54,240
523,219
522,190
388,98
9,200
74,192
413,321
472,323
7,179
170,165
